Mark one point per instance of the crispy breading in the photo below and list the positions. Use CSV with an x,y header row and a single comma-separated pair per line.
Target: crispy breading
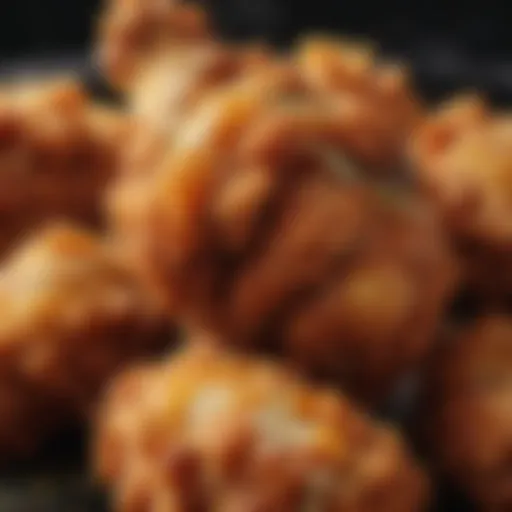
x,y
463,157
468,409
255,227
58,150
71,315
210,431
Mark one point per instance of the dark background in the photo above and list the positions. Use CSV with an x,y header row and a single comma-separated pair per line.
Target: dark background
x,y
450,45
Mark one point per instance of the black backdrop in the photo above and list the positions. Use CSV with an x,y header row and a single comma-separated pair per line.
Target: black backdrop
x,y
450,44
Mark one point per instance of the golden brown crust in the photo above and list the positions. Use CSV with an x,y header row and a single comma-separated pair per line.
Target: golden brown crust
x,y
209,431
469,411
463,155
374,101
132,31
165,64
57,152
252,229
71,315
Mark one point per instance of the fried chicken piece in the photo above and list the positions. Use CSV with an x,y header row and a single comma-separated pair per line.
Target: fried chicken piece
x,y
463,156
209,431
72,314
252,229
57,152
469,411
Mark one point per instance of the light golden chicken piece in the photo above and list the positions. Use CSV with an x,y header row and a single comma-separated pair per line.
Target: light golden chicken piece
x,y
71,316
209,431
58,150
469,411
255,228
463,156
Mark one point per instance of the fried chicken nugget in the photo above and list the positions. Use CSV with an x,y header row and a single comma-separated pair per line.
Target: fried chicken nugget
x,y
71,315
469,411
210,431
57,152
463,156
252,229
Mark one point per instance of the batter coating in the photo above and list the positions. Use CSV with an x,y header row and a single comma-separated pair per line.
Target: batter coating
x,y
208,431
58,150
257,229
178,62
463,155
469,410
71,315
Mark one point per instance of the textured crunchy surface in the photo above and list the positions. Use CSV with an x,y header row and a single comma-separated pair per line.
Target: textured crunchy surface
x,y
71,314
208,431
254,229
469,411
463,155
57,152
374,102
132,31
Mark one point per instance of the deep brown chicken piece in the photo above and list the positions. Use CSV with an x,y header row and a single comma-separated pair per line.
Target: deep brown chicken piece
x,y
208,431
71,315
469,411
257,229
463,156
58,150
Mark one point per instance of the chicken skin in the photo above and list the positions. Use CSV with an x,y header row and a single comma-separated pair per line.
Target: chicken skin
x,y
72,314
210,431
463,156
58,150
469,411
172,62
255,228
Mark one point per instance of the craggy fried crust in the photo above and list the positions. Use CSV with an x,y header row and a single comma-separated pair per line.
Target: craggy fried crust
x,y
173,61
57,152
463,155
469,411
71,315
252,229
207,431
132,31
374,101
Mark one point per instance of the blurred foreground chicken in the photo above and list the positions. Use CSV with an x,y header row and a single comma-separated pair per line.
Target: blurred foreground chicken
x,y
71,315
464,159
469,412
57,152
163,54
207,431
256,228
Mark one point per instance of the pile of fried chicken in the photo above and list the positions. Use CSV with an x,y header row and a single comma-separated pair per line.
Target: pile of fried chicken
x,y
306,224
